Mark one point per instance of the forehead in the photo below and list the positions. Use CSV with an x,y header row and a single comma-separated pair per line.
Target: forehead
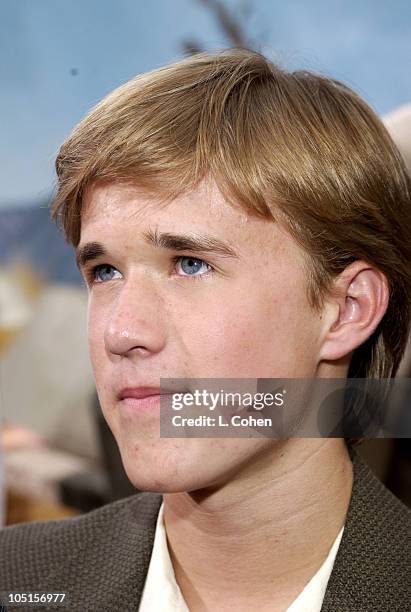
x,y
122,211
126,202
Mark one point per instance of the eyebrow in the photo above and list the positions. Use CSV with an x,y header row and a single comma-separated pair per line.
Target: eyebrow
x,y
164,240
193,243
89,252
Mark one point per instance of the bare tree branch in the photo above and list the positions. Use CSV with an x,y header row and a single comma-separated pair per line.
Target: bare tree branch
x,y
227,21
231,25
190,47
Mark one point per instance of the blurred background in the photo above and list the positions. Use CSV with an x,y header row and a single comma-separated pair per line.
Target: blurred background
x,y
57,59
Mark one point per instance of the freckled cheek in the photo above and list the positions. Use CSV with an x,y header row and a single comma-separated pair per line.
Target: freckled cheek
x,y
253,338
96,323
223,337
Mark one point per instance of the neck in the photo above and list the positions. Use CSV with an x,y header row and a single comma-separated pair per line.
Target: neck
x,y
260,537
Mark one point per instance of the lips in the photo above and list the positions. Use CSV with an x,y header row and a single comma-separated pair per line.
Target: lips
x,y
142,400
143,392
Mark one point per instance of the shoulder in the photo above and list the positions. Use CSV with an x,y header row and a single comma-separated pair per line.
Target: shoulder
x,y
380,524
374,508
33,551
373,564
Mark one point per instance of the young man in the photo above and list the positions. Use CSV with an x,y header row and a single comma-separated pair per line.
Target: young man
x,y
232,220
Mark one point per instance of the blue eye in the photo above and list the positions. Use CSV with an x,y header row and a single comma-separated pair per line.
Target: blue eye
x,y
188,266
102,273
191,266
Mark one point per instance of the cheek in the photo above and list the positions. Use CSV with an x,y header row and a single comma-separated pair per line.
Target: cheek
x,y
95,334
225,335
254,336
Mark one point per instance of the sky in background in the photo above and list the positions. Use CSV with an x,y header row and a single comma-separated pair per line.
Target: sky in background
x,y
59,57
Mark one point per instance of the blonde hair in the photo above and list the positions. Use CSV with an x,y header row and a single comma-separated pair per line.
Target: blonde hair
x,y
295,147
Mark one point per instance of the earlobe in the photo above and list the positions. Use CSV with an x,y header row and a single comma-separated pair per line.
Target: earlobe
x,y
361,294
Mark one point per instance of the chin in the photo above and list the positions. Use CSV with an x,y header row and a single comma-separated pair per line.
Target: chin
x,y
164,482
162,467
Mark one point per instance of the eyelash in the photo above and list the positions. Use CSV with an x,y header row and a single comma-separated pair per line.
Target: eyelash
x,y
90,274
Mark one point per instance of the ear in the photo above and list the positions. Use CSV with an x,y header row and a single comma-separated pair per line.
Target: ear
x,y
353,310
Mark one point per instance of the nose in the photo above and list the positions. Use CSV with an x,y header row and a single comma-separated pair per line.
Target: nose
x,y
136,323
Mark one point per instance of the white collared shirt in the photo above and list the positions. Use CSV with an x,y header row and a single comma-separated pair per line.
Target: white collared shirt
x,y
161,591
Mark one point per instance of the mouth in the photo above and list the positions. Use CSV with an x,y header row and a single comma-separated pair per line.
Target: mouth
x,y
140,399
144,392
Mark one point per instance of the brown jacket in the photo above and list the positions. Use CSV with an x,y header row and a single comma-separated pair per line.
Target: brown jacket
x,y
101,559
